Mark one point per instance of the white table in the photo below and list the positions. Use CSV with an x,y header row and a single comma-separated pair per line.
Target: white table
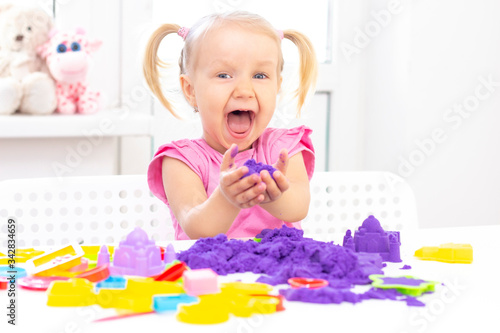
x,y
468,302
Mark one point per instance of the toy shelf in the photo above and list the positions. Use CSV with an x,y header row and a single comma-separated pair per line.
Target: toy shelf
x,y
107,123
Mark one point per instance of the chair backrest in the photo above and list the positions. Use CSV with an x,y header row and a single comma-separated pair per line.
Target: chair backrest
x,y
343,200
92,210
104,209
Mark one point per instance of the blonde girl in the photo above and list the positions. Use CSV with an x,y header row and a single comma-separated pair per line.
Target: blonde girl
x,y
230,73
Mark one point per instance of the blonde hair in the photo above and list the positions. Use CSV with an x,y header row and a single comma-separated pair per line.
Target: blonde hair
x,y
308,70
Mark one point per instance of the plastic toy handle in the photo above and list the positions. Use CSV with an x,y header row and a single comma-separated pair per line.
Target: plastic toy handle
x,y
298,282
173,273
97,274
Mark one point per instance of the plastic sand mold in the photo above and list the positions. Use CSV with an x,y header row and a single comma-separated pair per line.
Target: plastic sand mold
x,y
298,282
450,252
407,285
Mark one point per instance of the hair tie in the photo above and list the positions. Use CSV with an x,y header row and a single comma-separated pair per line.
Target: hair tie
x,y
280,33
183,32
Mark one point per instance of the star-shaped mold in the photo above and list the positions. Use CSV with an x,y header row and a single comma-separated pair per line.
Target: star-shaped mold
x,y
407,285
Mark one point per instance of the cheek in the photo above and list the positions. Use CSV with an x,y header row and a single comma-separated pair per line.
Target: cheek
x,y
268,95
211,95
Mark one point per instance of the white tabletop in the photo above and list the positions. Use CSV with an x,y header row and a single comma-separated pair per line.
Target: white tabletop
x,y
468,300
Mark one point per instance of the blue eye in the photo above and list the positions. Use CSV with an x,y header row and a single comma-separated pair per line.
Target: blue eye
x,y
223,76
61,48
75,46
260,76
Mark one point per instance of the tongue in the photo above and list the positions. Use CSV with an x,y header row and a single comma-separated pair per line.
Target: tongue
x,y
239,121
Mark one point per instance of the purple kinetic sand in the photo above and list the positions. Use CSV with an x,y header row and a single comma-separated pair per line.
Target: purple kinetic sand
x,y
329,295
282,254
257,167
406,267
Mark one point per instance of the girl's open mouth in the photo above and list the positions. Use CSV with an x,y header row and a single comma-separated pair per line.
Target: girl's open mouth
x,y
239,122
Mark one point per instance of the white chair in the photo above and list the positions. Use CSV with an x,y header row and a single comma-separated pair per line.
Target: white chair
x,y
88,210
104,209
343,200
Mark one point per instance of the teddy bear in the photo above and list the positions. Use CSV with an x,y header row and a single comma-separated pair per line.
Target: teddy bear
x,y
25,84
68,55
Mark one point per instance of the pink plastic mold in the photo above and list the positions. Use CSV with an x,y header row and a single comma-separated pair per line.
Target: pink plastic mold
x,y
200,282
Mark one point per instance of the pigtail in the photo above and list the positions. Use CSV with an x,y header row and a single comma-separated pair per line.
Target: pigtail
x,y
152,63
308,65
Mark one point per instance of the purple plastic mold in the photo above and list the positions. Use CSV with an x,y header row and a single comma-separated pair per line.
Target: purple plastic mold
x,y
170,254
103,256
137,255
371,238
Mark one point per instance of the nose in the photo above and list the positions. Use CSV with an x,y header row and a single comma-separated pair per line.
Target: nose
x,y
244,89
19,38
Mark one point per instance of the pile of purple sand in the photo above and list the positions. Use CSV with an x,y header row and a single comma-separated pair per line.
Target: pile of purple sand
x,y
282,254
328,294
285,253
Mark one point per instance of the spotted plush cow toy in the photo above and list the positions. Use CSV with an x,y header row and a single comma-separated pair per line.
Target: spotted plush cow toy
x,y
68,55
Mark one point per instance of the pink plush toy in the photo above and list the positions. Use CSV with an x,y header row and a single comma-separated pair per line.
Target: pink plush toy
x,y
68,56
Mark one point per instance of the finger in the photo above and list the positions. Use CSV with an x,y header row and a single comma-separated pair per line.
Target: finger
x,y
228,158
282,162
281,181
234,178
272,189
260,198
252,193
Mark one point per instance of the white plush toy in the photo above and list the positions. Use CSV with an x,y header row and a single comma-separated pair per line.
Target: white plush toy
x,y
25,84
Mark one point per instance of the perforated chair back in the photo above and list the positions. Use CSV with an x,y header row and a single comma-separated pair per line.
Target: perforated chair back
x,y
88,210
104,209
343,200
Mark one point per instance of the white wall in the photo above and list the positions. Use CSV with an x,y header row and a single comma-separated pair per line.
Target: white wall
x,y
393,92
433,56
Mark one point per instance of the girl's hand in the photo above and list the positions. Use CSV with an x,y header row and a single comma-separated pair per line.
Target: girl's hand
x,y
278,185
242,193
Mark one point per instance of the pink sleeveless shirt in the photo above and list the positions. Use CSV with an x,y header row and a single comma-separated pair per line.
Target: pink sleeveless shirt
x,y
205,162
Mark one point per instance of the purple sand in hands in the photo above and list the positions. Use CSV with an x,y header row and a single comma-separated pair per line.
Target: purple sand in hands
x,y
257,167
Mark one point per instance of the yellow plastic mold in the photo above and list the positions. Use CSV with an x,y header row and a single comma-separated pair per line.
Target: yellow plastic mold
x,y
91,251
236,298
212,309
49,263
245,305
73,292
138,295
450,252
22,255
245,288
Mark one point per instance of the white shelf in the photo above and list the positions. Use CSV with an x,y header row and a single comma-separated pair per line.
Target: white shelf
x,y
108,123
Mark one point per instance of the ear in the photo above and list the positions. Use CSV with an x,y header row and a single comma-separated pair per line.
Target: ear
x,y
188,89
53,32
280,80
43,50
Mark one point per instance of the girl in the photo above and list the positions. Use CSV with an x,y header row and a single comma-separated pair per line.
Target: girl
x,y
231,74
